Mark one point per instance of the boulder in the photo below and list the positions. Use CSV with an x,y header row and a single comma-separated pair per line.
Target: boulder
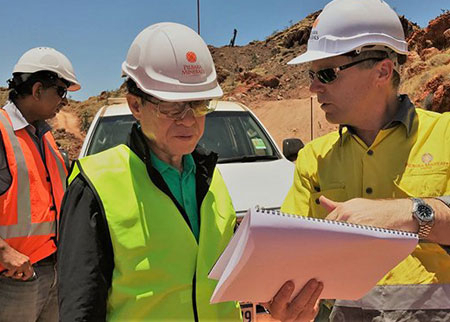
x,y
270,81
441,98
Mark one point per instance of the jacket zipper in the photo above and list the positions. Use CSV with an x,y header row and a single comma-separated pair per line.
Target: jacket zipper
x,y
194,297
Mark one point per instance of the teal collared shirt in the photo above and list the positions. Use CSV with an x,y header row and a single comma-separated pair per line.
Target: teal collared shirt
x,y
182,185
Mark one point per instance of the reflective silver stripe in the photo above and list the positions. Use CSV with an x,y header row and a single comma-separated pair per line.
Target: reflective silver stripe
x,y
34,229
24,227
59,164
403,297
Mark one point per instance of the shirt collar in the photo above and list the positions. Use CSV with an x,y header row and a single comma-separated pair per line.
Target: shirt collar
x,y
19,122
161,166
17,119
404,115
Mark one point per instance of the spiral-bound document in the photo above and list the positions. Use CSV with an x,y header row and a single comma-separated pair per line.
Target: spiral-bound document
x,y
270,248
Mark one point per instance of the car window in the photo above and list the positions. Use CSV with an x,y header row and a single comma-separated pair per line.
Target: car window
x,y
110,131
234,135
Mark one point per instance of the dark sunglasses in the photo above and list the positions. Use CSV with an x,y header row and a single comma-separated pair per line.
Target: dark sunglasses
x,y
328,75
61,91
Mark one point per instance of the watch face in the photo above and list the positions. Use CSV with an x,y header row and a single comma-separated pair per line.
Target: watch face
x,y
425,213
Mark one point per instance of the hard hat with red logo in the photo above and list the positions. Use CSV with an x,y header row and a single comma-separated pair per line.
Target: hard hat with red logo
x,y
172,62
354,25
45,58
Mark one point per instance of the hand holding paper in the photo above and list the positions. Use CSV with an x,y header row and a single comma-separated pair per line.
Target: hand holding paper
x,y
303,307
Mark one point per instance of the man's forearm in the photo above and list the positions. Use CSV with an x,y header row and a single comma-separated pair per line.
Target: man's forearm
x,y
390,213
440,231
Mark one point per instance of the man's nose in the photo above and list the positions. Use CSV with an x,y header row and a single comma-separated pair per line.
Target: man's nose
x,y
316,86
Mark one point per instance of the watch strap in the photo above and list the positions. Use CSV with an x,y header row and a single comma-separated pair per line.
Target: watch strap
x,y
424,227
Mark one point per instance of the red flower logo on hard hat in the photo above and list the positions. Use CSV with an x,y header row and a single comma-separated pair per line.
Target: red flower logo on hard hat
x,y
191,57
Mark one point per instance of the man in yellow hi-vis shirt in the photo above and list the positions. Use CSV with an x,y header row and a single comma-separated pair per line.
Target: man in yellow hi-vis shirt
x,y
386,157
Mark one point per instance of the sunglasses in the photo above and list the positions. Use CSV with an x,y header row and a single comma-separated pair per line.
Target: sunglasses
x,y
60,90
178,110
328,75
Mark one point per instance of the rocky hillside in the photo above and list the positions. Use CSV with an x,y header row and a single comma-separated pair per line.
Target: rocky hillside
x,y
426,76
3,95
257,74
259,71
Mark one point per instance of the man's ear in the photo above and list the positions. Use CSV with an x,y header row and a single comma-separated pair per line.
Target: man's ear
x,y
134,103
36,91
385,71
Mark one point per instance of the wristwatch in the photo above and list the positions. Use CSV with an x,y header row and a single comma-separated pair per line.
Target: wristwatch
x,y
424,214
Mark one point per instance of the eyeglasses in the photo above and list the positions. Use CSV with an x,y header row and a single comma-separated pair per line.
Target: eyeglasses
x,y
328,75
178,110
61,91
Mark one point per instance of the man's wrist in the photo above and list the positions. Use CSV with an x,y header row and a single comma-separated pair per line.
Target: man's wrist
x,y
413,224
424,212
3,245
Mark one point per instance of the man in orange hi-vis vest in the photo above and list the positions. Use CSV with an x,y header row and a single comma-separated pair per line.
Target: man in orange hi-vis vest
x,y
32,184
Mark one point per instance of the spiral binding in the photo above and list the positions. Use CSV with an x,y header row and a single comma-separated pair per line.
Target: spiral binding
x,y
341,223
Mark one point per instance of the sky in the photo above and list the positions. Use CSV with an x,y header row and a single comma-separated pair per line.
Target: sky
x,y
96,34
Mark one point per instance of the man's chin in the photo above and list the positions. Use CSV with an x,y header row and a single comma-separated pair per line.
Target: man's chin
x,y
332,119
185,147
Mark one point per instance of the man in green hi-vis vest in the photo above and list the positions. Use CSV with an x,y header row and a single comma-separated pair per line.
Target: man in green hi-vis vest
x,y
143,223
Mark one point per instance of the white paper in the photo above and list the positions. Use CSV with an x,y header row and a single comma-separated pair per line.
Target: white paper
x,y
270,248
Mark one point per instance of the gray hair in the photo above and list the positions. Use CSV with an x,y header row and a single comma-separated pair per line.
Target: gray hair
x,y
380,53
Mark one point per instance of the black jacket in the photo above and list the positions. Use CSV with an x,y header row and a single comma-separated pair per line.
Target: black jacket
x,y
85,253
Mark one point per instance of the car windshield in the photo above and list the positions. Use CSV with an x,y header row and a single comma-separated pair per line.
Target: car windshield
x,y
110,131
235,136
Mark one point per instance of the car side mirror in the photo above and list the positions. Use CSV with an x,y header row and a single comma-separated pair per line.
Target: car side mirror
x,y
291,147
66,159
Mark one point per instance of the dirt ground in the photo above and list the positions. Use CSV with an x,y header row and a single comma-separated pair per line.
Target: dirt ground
x,y
69,122
292,119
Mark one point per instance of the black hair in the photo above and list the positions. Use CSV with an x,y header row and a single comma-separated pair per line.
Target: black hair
x,y
21,84
132,88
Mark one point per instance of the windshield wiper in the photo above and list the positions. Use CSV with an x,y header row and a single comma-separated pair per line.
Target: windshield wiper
x,y
248,158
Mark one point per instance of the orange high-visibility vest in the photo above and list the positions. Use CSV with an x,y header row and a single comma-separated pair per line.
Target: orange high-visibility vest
x,y
29,208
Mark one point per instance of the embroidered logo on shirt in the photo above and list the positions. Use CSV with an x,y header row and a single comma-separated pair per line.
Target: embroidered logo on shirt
x,y
427,158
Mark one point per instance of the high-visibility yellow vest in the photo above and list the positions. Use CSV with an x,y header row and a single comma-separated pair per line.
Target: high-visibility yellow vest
x,y
160,271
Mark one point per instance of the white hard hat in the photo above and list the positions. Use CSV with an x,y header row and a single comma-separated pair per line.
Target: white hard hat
x,y
347,25
44,58
172,62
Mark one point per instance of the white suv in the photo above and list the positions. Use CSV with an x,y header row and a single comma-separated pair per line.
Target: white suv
x,y
255,171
